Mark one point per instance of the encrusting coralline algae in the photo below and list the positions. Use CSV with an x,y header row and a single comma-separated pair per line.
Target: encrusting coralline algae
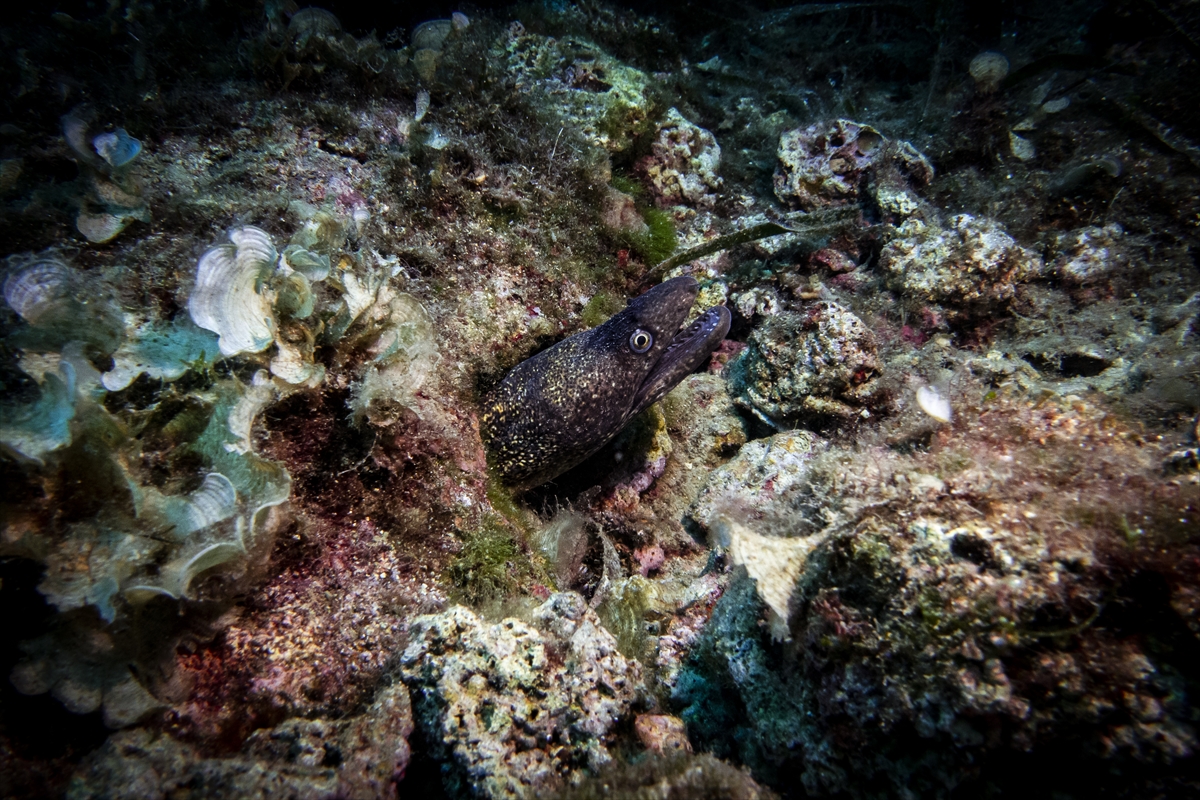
x,y
919,522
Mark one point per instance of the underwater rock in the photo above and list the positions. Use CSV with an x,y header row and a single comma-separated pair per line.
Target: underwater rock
x,y
1186,459
820,363
752,509
662,459
515,708
641,452
140,763
896,200
757,303
683,163
660,733
982,633
677,776
316,637
564,542
362,756
970,262
369,750
731,662
765,476
706,430
606,100
1090,254
619,214
829,163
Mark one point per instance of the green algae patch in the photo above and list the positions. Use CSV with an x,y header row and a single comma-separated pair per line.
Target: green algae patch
x,y
602,306
660,241
657,242
484,570
505,504
495,564
624,613
629,186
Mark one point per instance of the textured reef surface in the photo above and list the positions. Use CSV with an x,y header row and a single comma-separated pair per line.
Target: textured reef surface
x,y
924,523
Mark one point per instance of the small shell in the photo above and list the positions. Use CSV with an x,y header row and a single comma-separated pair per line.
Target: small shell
x,y
425,62
989,69
100,228
422,107
432,34
117,148
39,289
934,404
313,20
1056,105
227,298
1021,147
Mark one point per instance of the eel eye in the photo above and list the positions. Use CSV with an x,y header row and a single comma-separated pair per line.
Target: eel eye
x,y
640,341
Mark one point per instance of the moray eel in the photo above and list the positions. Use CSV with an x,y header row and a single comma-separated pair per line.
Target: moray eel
x,y
557,408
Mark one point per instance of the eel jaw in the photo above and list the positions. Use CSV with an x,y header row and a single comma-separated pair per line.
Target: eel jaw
x,y
687,351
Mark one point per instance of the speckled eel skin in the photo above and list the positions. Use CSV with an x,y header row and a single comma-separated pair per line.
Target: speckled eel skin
x,y
557,408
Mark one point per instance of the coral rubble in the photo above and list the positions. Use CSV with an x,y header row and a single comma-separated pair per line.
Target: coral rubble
x,y
513,706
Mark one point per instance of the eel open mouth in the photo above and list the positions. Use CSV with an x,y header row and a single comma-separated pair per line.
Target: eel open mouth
x,y
687,351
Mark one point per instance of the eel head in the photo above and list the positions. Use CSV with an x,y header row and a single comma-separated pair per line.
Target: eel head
x,y
557,408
